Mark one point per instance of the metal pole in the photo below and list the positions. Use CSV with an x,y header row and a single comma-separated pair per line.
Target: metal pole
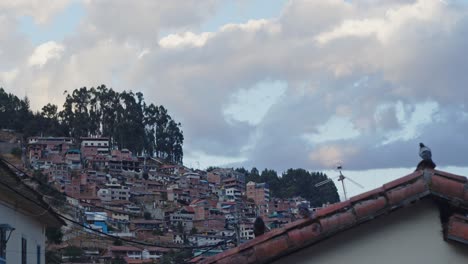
x,y
344,189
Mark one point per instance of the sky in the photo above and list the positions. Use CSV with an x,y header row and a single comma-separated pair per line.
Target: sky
x,y
267,83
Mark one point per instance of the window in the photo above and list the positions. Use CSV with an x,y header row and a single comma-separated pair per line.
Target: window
x,y
2,245
38,254
24,248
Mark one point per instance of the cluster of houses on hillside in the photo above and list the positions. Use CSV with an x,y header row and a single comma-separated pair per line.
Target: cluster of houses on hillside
x,y
147,199
160,206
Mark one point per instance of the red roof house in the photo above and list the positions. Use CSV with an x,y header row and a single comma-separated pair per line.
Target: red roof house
x,y
419,218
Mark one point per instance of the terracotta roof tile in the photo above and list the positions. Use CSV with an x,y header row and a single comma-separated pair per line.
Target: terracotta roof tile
x,y
304,235
402,180
333,208
271,248
407,192
368,208
458,228
367,195
451,176
341,216
447,186
337,222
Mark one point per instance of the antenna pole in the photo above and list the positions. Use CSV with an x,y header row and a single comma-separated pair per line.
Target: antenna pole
x,y
344,190
342,177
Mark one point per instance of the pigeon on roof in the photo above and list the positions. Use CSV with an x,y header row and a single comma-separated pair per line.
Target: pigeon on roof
x,y
259,227
426,155
425,152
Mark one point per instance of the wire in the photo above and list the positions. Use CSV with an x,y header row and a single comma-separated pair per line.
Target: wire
x,y
64,194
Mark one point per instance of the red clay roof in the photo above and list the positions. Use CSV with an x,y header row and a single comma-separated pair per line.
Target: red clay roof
x,y
458,228
361,208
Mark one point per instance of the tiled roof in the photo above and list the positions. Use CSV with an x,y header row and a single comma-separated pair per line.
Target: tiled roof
x,y
458,228
14,191
361,208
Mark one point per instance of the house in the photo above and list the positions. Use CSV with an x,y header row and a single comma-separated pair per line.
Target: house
x,y
24,216
93,146
419,218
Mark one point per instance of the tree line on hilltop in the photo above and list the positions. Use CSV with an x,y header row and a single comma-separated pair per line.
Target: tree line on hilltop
x,y
294,182
124,117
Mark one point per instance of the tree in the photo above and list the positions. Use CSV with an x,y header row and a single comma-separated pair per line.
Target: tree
x,y
117,242
193,231
297,182
124,117
16,152
147,215
74,253
52,257
176,257
54,235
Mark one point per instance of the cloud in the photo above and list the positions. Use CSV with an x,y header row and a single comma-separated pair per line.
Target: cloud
x,y
41,11
185,39
366,79
45,52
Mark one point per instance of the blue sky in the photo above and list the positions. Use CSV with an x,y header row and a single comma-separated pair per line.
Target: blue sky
x,y
232,11
61,25
66,22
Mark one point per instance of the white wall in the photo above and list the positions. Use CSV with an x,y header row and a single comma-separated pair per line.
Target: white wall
x,y
26,227
409,235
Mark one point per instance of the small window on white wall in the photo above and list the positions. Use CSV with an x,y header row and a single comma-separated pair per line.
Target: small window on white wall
x,y
38,254
24,250
2,244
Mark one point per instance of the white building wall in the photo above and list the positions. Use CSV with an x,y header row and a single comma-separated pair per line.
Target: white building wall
x,y
409,235
25,227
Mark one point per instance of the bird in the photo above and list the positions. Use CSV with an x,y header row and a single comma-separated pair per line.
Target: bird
x,y
259,227
425,152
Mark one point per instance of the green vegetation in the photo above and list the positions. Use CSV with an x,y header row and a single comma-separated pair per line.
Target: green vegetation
x,y
117,242
124,117
57,199
157,232
54,235
16,152
176,257
74,253
147,216
295,182
52,257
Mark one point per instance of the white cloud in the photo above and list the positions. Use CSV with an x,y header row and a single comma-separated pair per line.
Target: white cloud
x,y
8,77
251,105
185,39
336,128
45,52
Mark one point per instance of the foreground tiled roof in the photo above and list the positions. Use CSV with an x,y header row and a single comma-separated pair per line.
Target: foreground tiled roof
x,y
15,192
361,208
